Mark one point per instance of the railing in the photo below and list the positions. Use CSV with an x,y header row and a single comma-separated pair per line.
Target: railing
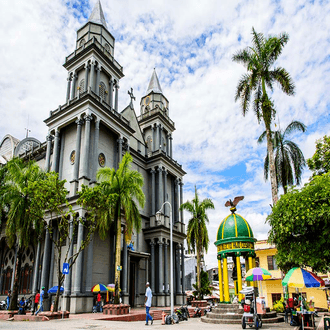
x,y
152,112
99,46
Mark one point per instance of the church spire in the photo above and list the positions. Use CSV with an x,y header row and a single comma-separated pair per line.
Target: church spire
x,y
154,85
97,15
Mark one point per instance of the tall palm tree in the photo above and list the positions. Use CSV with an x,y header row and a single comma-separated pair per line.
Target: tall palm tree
x,y
259,60
124,188
22,221
289,159
197,234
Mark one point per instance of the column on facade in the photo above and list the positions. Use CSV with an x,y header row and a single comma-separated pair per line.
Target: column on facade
x,y
165,267
86,77
166,206
153,132
160,128
176,199
171,153
52,260
152,244
111,92
96,147
183,270
157,138
178,268
239,275
45,262
160,188
181,201
85,162
98,72
125,266
79,260
56,151
225,280
160,266
73,85
68,87
116,95
36,270
120,150
49,139
167,144
89,270
79,123
67,281
92,73
153,192
220,279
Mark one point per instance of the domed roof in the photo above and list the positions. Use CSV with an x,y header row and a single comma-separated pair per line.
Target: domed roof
x,y
234,228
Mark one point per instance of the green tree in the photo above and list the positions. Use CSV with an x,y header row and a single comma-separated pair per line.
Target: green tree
x,y
205,288
320,162
23,215
289,159
197,234
124,190
300,226
259,61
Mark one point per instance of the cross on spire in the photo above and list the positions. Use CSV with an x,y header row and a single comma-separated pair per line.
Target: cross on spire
x,y
132,97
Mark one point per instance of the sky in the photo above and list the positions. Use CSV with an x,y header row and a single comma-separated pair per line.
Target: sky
x,y
191,44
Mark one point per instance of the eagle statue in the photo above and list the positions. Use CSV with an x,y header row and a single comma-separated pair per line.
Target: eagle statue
x,y
233,204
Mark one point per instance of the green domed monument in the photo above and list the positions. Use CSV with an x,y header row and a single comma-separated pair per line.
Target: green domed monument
x,y
234,239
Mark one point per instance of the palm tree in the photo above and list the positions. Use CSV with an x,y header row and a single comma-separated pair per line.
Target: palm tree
x,y
197,234
258,61
289,159
124,189
24,222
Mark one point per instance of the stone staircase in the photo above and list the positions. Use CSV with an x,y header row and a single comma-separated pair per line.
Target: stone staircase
x,y
232,314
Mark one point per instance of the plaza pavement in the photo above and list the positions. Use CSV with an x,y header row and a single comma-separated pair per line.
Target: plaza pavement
x,y
86,323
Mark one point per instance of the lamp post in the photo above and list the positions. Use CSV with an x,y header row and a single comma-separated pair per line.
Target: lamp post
x,y
158,215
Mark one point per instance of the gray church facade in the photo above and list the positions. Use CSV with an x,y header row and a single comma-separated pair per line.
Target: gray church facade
x,y
86,133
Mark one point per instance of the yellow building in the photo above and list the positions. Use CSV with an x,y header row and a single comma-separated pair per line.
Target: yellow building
x,y
272,289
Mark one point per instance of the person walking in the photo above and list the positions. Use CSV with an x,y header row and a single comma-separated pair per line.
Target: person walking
x,y
8,298
98,299
41,307
147,303
36,301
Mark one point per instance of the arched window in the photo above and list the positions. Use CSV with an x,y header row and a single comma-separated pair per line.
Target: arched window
x,y
82,86
163,144
82,42
26,271
7,275
102,91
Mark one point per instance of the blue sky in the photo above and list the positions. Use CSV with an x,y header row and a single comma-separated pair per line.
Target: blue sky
x,y
190,43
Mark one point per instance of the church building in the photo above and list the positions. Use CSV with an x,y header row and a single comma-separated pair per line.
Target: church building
x,y
88,132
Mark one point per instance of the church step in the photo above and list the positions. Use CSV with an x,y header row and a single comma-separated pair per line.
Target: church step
x,y
220,321
224,316
227,310
269,315
273,320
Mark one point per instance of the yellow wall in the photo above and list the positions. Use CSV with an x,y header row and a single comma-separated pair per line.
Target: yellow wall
x,y
263,249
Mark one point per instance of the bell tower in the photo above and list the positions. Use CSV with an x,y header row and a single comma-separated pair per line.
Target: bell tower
x,y
154,119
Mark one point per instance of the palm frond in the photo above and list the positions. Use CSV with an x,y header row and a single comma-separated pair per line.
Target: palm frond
x,y
283,78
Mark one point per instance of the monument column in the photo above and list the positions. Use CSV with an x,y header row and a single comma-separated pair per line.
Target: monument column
x,y
89,270
160,188
73,85
239,275
220,278
67,281
183,271
225,280
45,262
85,161
49,139
96,147
36,271
165,267
79,260
160,266
178,269
56,151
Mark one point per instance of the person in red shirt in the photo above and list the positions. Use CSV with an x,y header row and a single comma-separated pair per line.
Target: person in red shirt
x,y
98,299
36,301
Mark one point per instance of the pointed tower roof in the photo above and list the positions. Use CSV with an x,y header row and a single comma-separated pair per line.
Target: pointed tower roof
x,y
154,85
97,15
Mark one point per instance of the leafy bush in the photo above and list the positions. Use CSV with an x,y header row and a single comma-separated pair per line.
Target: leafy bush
x,y
279,306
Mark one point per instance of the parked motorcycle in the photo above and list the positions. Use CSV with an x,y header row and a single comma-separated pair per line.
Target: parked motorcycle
x,y
208,309
3,305
197,312
182,313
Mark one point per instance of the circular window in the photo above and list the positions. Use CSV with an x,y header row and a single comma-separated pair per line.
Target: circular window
x,y
101,160
72,157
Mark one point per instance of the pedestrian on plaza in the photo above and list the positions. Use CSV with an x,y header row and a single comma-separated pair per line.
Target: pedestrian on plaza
x,y
41,307
148,303
36,301
98,299
8,298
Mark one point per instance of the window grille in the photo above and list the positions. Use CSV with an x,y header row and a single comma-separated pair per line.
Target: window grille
x,y
82,86
102,91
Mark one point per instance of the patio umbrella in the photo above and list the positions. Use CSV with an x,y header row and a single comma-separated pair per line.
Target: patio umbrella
x,y
111,287
257,274
54,289
99,288
301,278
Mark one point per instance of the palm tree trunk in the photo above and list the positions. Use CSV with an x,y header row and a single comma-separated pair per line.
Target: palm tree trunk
x,y
13,302
272,171
199,272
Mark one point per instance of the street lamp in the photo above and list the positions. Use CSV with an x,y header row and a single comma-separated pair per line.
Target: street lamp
x,y
158,215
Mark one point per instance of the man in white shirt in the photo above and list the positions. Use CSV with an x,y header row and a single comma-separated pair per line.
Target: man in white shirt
x,y
148,303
